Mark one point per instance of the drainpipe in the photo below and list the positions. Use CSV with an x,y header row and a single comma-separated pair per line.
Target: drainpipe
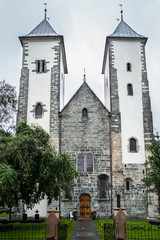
x,y
60,146
110,131
109,115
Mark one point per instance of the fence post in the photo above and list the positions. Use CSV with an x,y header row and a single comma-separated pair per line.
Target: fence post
x,y
52,225
120,218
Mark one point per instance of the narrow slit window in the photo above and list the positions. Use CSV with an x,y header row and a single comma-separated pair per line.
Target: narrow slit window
x,y
127,185
38,111
118,201
84,114
130,89
133,145
80,163
129,68
102,187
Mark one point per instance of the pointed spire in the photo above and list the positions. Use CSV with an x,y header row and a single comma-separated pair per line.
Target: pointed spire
x,y
45,11
84,76
121,11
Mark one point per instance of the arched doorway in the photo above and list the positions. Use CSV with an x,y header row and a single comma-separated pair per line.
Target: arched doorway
x,y
85,206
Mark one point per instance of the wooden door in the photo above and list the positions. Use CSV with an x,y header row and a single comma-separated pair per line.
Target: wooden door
x,y
85,206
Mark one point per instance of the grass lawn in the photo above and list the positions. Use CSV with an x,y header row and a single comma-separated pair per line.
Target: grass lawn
x,y
4,215
135,229
33,230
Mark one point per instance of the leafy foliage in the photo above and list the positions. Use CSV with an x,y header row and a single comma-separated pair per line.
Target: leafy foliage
x,y
8,104
30,168
152,179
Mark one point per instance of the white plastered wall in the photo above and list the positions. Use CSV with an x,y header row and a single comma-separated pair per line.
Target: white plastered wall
x,y
129,51
40,83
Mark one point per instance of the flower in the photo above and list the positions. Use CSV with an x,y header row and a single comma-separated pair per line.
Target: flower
x,y
74,211
93,212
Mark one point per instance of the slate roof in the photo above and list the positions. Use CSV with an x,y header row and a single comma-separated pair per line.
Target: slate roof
x,y
84,84
124,30
41,30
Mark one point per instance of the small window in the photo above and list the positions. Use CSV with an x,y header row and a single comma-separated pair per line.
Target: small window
x,y
38,111
102,186
127,185
89,163
133,145
118,201
84,114
130,89
129,67
40,66
80,163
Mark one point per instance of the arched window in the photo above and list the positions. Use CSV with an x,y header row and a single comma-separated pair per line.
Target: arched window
x,y
129,69
89,163
80,163
130,89
133,145
84,114
102,186
38,111
127,185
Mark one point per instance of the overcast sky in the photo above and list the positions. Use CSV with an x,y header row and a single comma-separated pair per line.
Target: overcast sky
x,y
84,25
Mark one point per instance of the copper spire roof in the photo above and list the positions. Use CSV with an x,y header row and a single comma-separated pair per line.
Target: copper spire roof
x,y
124,30
43,29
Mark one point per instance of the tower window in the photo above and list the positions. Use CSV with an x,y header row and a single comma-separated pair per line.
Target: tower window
x,y
129,67
133,145
84,114
130,89
40,66
127,185
38,111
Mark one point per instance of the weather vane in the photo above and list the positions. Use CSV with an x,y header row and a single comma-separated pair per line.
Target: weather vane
x,y
121,11
45,11
84,76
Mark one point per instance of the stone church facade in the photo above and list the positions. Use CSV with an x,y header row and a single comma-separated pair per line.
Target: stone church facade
x,y
107,142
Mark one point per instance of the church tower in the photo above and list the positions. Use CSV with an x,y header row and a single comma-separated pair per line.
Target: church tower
x,y
41,95
42,79
127,98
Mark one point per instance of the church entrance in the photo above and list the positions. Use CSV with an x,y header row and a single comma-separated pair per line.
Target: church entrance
x,y
85,206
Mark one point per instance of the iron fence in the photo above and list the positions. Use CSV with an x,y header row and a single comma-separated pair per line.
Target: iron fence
x,y
143,232
21,231
35,231
109,231
134,232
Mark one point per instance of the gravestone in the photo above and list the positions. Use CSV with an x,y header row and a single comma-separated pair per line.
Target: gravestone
x,y
120,219
52,227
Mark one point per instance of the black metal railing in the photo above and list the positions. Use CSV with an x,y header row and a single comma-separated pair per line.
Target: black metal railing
x,y
35,231
143,232
62,231
21,231
109,231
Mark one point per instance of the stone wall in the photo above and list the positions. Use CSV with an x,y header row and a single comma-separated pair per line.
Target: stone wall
x,y
91,136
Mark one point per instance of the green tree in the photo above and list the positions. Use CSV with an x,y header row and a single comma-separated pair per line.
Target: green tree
x,y
8,104
152,179
30,168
